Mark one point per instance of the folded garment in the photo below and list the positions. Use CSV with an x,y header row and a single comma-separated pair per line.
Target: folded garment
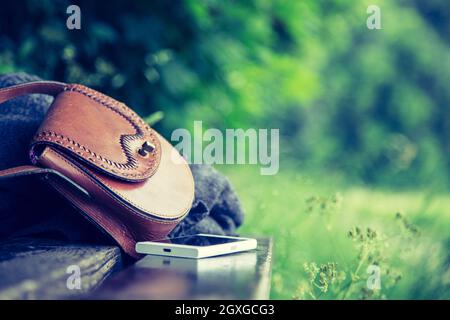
x,y
25,211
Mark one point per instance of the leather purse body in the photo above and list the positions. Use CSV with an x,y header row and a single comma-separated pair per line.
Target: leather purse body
x,y
101,156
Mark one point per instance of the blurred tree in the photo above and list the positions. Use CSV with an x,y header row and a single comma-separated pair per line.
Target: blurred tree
x,y
370,103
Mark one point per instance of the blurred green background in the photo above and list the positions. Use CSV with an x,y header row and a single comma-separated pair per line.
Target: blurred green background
x,y
363,117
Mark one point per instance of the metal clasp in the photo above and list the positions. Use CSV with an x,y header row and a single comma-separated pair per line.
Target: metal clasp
x,y
146,148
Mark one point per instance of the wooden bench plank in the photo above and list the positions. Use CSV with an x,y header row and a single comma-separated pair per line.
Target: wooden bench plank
x,y
37,269
237,276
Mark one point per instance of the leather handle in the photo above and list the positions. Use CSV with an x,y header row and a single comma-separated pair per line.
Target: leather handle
x,y
51,88
21,171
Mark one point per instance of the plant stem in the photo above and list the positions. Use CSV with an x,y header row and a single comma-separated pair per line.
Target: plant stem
x,y
361,262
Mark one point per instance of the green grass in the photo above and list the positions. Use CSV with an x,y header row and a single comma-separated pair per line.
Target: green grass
x,y
316,258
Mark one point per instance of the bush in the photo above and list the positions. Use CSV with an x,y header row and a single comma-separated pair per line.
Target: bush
x,y
371,104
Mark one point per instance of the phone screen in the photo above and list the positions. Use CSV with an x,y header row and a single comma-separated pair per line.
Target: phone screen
x,y
198,240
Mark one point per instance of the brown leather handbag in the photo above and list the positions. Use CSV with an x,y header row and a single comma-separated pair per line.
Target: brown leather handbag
x,y
100,155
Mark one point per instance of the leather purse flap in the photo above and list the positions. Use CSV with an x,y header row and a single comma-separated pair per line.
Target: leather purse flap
x,y
101,132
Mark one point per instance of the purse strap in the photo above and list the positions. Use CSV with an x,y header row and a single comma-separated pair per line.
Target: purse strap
x,y
30,170
119,160
51,88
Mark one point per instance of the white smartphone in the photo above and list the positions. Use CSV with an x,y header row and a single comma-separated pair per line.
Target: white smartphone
x,y
196,246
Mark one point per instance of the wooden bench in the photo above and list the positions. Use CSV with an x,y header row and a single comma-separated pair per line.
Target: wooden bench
x,y
41,269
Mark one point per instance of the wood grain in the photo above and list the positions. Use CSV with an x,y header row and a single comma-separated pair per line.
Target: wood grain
x,y
37,269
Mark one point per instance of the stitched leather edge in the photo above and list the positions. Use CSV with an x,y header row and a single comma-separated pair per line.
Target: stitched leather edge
x,y
140,207
108,190
98,160
109,166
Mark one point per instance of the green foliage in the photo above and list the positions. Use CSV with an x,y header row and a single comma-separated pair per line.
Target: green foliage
x,y
370,104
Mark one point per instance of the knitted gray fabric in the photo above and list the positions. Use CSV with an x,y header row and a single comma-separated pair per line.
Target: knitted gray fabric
x,y
29,207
